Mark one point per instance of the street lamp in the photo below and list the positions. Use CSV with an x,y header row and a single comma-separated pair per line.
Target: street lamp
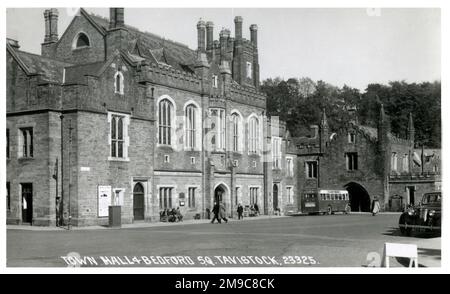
x,y
69,224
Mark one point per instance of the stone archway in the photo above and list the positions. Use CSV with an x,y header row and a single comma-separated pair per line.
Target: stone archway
x,y
138,202
359,197
222,195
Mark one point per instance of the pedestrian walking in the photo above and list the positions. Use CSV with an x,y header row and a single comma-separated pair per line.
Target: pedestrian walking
x,y
179,215
375,206
223,212
215,211
240,211
256,209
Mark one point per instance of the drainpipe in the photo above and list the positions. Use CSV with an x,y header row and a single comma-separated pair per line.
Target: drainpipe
x,y
61,204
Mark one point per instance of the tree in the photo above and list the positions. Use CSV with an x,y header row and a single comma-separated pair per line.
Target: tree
x,y
300,103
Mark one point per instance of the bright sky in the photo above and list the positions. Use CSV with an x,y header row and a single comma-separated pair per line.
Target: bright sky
x,y
340,46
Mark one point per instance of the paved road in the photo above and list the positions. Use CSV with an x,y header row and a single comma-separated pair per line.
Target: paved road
x,y
331,241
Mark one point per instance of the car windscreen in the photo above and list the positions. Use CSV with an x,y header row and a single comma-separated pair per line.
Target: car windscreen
x,y
431,198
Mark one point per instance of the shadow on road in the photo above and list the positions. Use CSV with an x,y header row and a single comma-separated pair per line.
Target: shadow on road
x,y
393,231
434,254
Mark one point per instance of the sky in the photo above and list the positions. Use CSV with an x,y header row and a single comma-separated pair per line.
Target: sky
x,y
340,46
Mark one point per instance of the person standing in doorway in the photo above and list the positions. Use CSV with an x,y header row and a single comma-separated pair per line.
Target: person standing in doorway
x,y
240,211
215,211
223,212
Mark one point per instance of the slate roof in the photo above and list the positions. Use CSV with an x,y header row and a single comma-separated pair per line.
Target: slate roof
x,y
51,70
165,51
76,74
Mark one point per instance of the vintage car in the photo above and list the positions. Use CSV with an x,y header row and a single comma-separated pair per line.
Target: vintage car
x,y
423,217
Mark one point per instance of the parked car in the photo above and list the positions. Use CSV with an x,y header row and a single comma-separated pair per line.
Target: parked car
x,y
423,217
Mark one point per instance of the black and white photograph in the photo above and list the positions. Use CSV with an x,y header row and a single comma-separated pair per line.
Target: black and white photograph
x,y
208,138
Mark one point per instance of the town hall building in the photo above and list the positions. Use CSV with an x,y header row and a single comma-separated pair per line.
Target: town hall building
x,y
110,115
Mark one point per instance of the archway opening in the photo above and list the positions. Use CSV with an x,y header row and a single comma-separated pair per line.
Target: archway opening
x,y
275,197
138,201
219,194
359,197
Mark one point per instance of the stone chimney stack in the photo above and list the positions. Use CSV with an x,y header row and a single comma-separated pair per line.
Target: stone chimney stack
x,y
54,25
116,18
51,25
254,35
223,36
209,36
238,27
201,34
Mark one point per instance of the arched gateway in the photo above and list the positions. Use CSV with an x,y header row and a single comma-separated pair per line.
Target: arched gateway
x,y
359,197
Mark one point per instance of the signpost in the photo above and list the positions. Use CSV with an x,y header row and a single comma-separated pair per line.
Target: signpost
x,y
104,200
400,250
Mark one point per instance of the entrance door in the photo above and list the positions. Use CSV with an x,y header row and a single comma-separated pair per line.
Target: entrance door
x,y
411,197
138,202
275,197
27,203
218,194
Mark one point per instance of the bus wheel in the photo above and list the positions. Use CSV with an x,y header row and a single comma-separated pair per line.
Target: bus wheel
x,y
329,210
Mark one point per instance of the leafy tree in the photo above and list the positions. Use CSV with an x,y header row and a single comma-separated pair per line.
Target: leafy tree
x,y
300,103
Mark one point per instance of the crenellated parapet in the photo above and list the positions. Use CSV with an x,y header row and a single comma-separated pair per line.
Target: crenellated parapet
x,y
400,141
217,101
150,72
248,95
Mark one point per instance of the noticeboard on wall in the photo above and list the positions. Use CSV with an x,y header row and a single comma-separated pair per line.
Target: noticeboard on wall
x,y
104,200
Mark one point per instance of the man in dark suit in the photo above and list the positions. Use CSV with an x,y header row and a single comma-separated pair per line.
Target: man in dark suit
x,y
215,211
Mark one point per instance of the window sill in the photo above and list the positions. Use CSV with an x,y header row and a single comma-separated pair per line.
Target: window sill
x,y
25,158
218,152
158,145
81,48
189,149
118,159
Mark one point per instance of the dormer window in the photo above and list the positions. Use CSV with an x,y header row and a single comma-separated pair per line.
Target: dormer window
x,y
81,41
118,83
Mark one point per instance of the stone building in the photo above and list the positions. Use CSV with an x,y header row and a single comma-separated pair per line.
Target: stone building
x,y
367,162
110,115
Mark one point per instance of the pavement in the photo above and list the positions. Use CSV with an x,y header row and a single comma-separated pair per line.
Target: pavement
x,y
331,241
137,224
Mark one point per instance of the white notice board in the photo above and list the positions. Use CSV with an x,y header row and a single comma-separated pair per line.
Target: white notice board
x,y
104,200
